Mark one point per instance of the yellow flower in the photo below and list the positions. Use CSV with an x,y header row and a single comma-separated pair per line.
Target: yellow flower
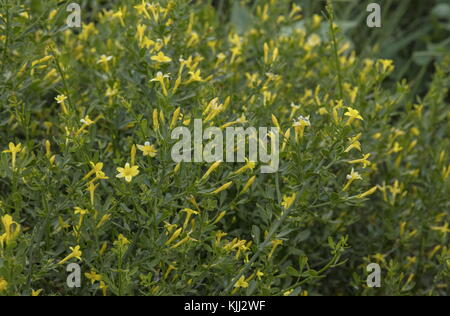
x,y
300,125
196,76
82,213
104,59
91,189
160,77
12,229
275,244
97,170
259,274
367,193
249,184
161,58
288,201
353,115
103,220
76,253
189,212
175,117
288,293
14,150
148,150
61,98
103,287
443,229
36,293
174,236
354,143
128,172
387,64
87,121
211,169
122,241
250,165
364,161
93,277
241,283
353,176
3,285
223,188
183,241
142,9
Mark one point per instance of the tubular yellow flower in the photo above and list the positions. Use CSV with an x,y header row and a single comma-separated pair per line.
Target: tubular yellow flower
x,y
224,187
142,9
211,169
352,177
91,189
275,121
93,277
161,58
288,201
241,283
133,154
3,285
160,77
354,143
60,99
248,184
177,168
195,76
121,241
12,229
148,150
174,236
183,241
275,244
36,293
221,215
76,253
104,288
103,220
41,61
155,120
128,172
175,117
299,127
353,115
96,169
82,213
105,61
189,212
266,53
13,150
250,165
170,269
287,136
442,229
364,161
368,193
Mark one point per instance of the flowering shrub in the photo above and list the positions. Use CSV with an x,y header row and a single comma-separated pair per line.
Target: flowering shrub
x,y
86,175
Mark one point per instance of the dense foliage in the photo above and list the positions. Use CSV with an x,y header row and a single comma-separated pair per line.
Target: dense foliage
x,y
364,165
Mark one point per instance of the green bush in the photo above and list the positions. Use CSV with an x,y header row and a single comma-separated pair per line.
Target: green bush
x,y
364,171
